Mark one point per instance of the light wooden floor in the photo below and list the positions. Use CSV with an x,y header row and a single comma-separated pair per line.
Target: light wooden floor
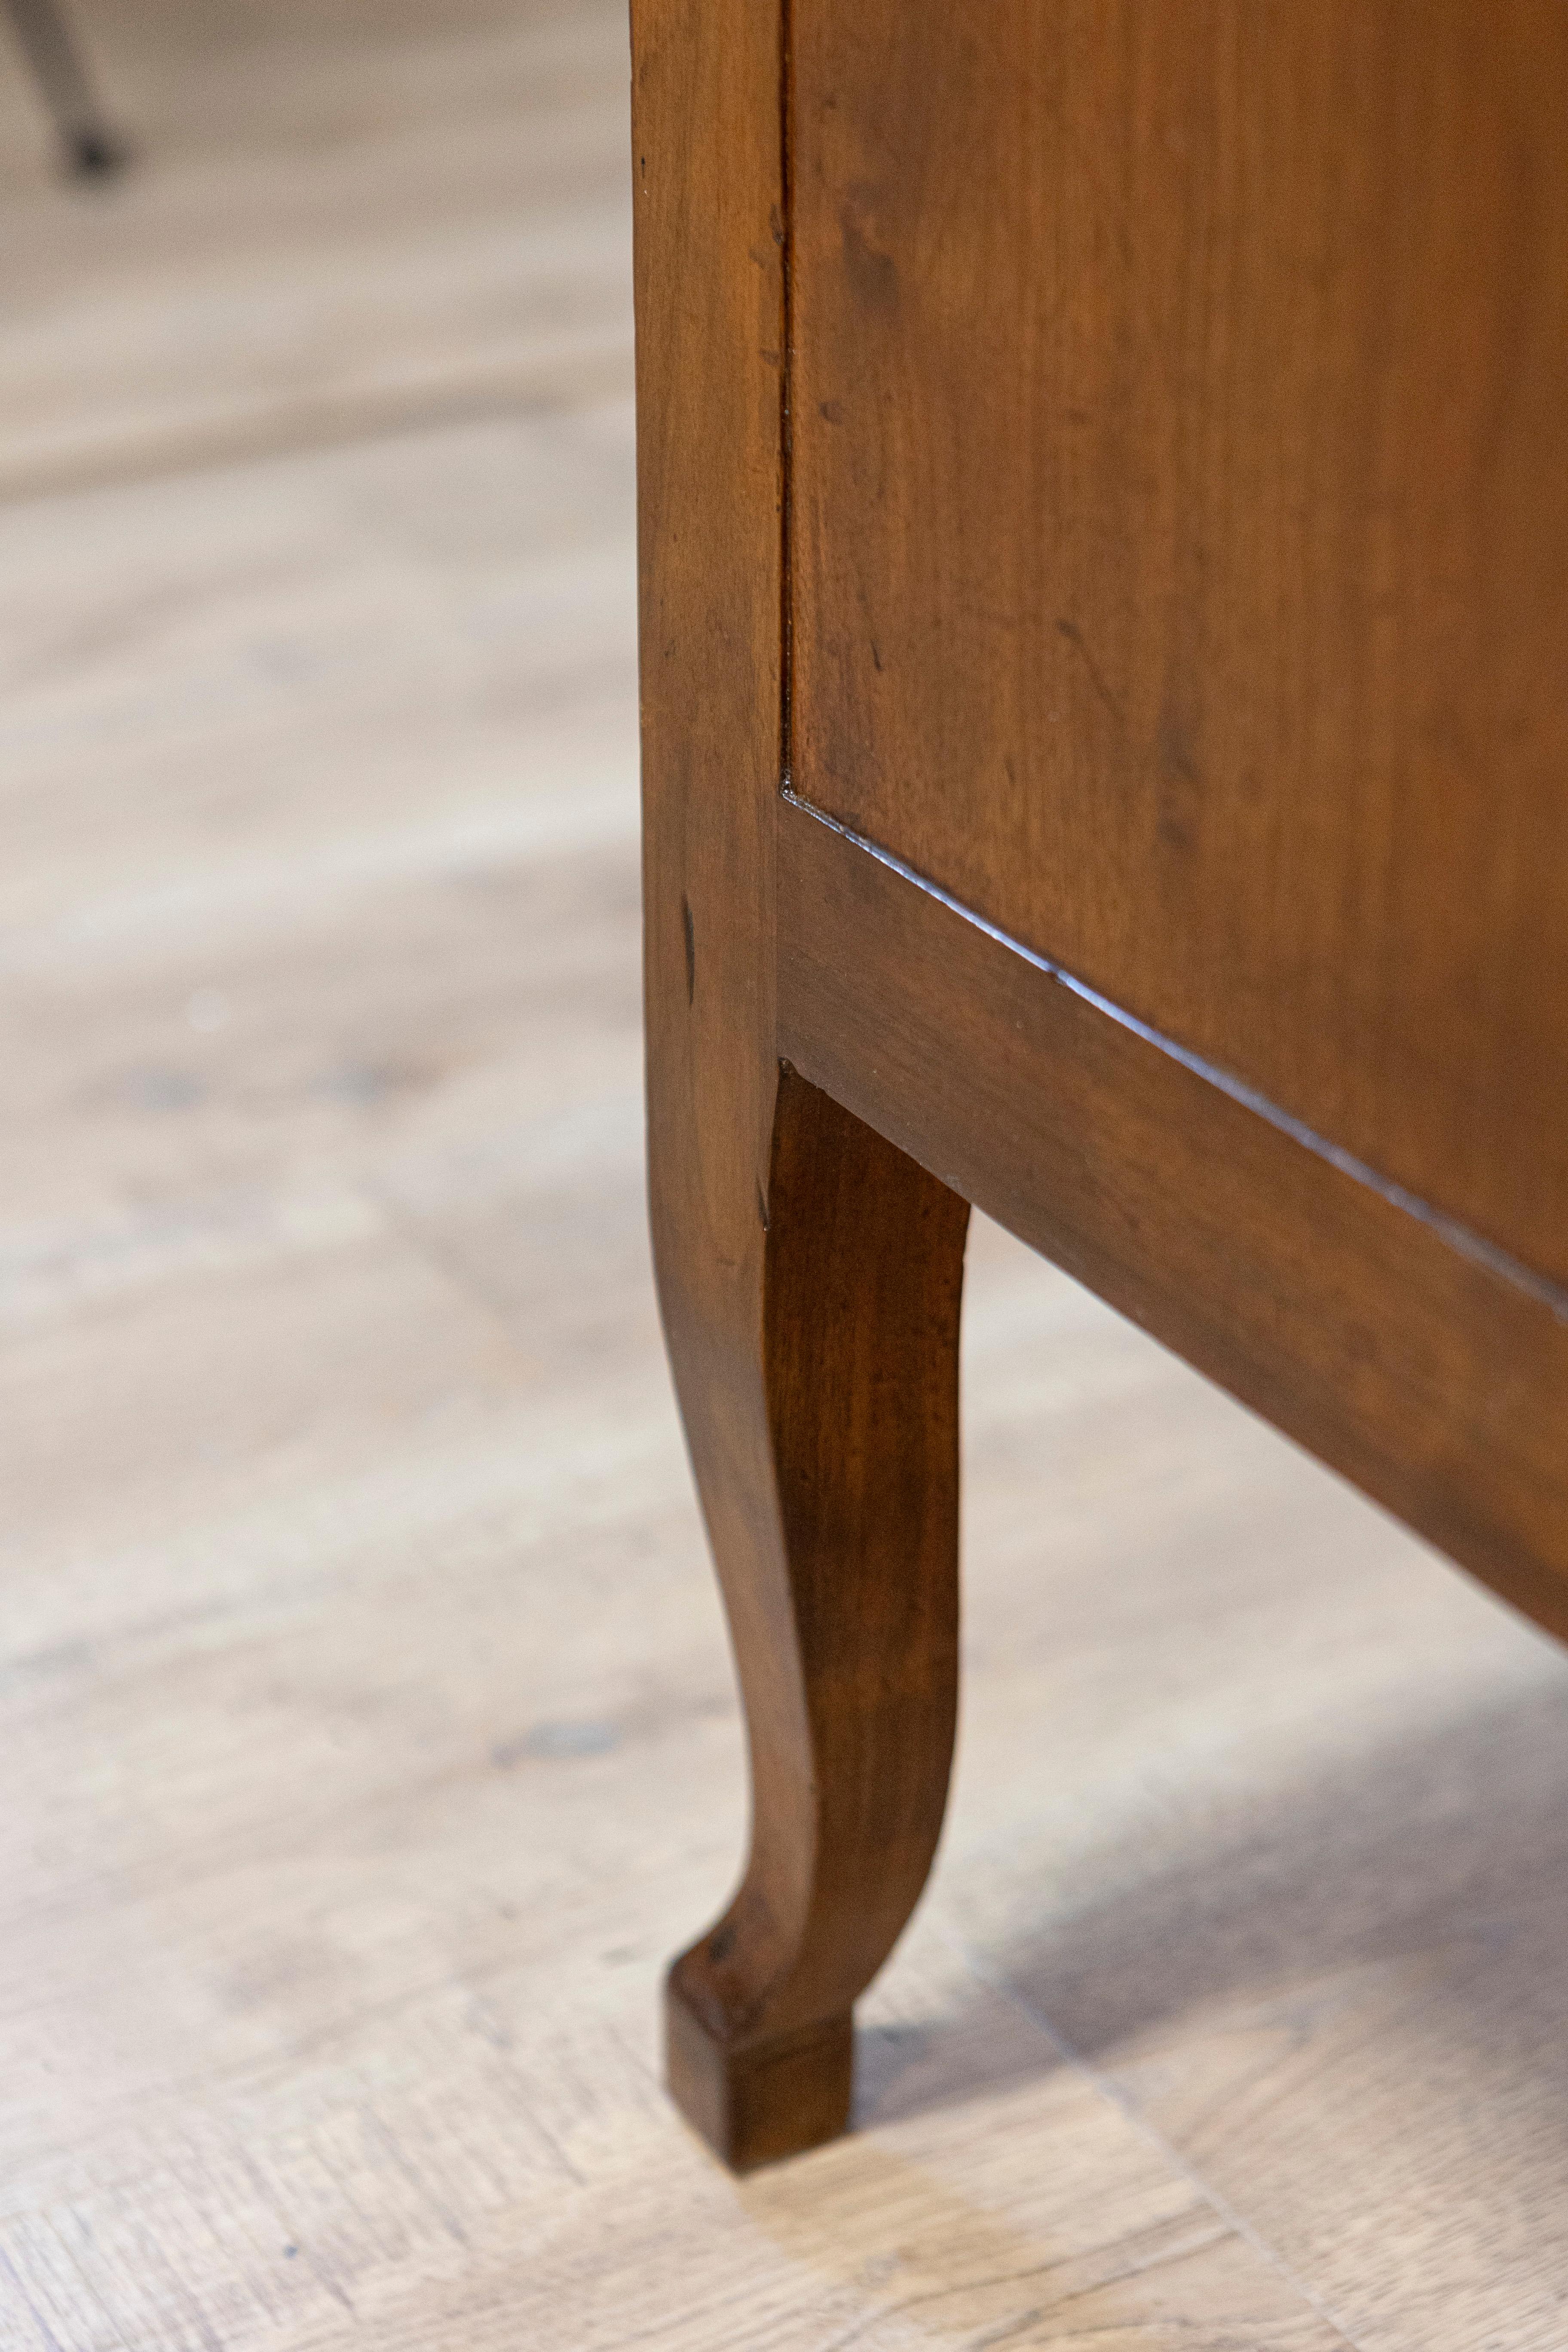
x,y
368,1732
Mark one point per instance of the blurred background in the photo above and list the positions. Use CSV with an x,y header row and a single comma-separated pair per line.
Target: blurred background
x,y
368,1733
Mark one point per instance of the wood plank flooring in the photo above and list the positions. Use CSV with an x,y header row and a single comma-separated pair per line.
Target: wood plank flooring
x,y
367,1726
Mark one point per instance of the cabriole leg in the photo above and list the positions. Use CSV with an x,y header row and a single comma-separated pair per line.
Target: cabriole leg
x,y
823,1432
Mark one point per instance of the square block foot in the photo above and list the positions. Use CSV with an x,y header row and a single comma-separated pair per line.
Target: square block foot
x,y
770,2100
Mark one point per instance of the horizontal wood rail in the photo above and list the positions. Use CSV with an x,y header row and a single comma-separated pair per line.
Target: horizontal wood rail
x,y
1434,1378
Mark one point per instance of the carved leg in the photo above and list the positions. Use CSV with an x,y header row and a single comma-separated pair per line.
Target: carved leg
x,y
809,1272
835,1534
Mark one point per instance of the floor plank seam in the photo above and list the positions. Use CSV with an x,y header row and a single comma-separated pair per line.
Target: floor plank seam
x,y
443,1262
997,1982
305,429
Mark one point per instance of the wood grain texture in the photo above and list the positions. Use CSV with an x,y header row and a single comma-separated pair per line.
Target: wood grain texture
x,y
1180,502
840,1574
809,1273
1436,1384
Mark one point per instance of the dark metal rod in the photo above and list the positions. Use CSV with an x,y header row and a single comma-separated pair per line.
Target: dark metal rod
x,y
61,76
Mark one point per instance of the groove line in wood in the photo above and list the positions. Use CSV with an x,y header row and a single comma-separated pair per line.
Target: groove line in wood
x,y
1469,1244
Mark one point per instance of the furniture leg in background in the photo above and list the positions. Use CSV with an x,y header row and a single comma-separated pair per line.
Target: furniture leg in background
x,y
91,146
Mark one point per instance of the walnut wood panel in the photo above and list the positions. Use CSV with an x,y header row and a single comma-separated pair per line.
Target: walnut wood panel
x,y
1180,520
1435,1382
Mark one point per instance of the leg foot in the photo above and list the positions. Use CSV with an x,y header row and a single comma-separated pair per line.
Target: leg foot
x,y
764,2100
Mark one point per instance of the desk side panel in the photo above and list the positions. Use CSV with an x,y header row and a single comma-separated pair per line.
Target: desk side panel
x,y
1180,525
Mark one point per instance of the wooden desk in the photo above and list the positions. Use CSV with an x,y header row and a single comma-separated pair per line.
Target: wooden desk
x,y
1105,663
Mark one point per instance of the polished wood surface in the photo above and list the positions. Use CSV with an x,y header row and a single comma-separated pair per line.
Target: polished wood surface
x,y
809,1273
1179,514
839,1555
1103,632
1434,1382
